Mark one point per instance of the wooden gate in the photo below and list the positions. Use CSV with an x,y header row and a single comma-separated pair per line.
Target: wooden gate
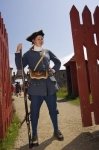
x,y
5,82
86,38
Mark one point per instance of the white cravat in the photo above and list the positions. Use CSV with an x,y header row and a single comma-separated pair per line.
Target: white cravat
x,y
36,48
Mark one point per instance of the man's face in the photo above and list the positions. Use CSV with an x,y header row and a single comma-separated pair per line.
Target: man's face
x,y
38,41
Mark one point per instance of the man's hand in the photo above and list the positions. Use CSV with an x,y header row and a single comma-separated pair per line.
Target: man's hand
x,y
51,71
19,48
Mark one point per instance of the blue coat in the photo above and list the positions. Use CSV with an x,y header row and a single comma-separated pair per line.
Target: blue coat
x,y
42,87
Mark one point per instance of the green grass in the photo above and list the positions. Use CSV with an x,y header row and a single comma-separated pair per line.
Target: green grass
x,y
63,94
75,101
8,142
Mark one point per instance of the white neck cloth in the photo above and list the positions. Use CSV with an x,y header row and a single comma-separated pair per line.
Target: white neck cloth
x,y
36,48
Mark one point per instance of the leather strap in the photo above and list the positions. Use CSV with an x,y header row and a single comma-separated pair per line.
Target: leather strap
x,y
40,60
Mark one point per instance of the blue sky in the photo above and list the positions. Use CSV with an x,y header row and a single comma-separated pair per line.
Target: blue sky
x,y
23,17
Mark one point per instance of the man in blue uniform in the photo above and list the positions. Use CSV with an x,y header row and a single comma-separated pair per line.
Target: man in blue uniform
x,y
42,85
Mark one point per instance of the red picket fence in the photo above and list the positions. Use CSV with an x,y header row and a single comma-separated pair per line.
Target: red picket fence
x,y
5,82
86,38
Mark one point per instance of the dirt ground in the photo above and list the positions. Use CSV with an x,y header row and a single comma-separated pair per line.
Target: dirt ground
x,y
76,137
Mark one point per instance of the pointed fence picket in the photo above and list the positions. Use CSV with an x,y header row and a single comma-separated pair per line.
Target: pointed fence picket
x,y
86,37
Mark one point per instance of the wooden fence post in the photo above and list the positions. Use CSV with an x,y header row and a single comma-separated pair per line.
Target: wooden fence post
x,y
5,82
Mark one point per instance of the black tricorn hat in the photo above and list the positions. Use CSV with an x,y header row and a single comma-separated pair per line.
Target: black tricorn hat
x,y
33,35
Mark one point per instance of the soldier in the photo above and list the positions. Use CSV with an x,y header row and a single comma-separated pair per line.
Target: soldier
x,y
42,85
18,89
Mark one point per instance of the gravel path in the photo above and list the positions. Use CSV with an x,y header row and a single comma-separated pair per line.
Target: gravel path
x,y
75,136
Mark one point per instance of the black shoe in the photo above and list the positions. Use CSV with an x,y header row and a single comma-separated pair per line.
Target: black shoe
x,y
58,135
35,141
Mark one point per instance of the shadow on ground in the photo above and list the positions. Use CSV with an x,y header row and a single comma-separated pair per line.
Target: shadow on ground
x,y
85,141
41,146
61,100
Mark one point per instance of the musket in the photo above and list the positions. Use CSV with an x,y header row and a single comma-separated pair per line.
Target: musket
x,y
27,114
